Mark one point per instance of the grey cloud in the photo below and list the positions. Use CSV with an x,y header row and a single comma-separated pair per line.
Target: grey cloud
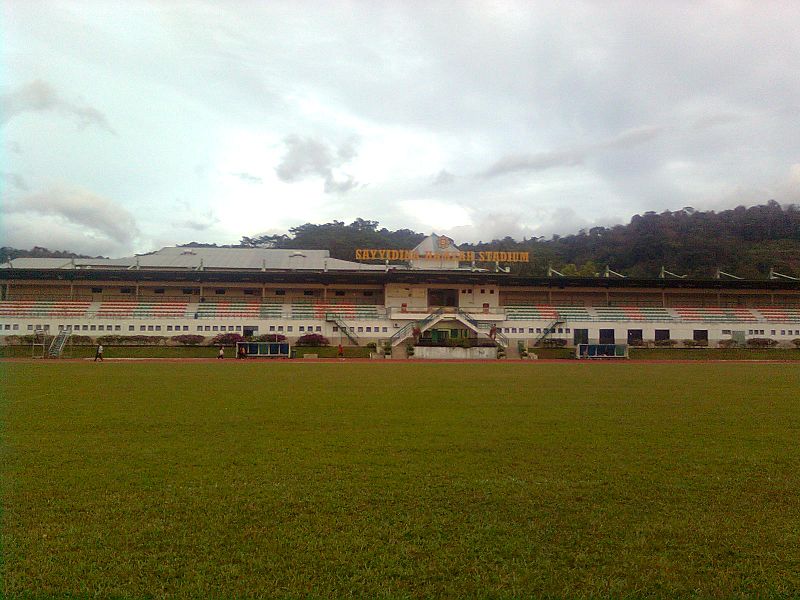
x,y
443,177
16,180
39,96
82,209
307,157
571,156
248,178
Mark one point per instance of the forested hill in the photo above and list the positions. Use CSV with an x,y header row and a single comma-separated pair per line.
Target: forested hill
x,y
746,242
7,253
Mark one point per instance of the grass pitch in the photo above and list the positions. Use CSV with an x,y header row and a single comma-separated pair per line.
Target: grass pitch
x,y
400,480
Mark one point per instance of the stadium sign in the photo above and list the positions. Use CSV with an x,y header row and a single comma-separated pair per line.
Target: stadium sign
x,y
460,256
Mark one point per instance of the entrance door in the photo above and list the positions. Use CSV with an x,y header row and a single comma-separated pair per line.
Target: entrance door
x,y
580,336
438,298
607,336
249,330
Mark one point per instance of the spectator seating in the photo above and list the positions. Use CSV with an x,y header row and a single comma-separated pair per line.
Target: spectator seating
x,y
125,309
713,314
36,309
780,314
633,313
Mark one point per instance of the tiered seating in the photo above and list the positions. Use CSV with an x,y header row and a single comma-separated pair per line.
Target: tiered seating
x,y
711,314
632,313
43,308
531,312
345,310
124,309
779,314
574,313
271,310
229,310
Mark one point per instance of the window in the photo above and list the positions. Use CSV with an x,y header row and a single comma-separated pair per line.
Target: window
x,y
560,330
85,328
207,327
169,327
30,327
280,327
238,328
384,329
513,330
117,327
319,327
783,332
368,294
100,327
335,329
662,335
491,291
280,292
126,290
726,332
219,292
538,330
8,327
308,292
199,328
92,328
272,327
188,291
97,290
700,335
772,332
530,329
158,291
16,326
369,329
249,292
634,335
214,328
567,330
158,327
288,328
133,328
149,328
338,293
302,328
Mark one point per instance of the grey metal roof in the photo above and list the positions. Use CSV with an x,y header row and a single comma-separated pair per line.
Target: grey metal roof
x,y
180,258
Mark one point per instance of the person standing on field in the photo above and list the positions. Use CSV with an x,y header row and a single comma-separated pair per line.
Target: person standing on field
x,y
221,352
98,355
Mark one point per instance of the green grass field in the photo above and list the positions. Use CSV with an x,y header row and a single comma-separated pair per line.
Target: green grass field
x,y
133,480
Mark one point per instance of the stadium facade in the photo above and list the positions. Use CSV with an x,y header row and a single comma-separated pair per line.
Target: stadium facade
x,y
436,292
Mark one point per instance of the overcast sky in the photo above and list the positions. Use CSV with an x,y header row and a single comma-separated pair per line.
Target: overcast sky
x,y
127,126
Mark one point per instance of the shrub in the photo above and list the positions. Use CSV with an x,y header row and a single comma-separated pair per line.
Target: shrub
x,y
728,343
761,343
372,346
387,348
188,339
796,342
552,343
665,343
409,350
227,339
270,337
695,343
313,340
109,340
636,343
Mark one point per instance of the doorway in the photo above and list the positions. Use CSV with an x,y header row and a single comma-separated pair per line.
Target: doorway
x,y
442,297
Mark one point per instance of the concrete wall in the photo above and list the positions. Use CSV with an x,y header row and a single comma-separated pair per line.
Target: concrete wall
x,y
429,352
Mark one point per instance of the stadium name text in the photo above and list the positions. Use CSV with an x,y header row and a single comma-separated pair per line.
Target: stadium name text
x,y
389,254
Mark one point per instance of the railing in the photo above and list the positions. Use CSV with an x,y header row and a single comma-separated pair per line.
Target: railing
x,y
547,331
484,326
334,318
406,330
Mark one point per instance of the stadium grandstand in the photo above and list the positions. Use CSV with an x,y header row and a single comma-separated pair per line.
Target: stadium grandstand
x,y
436,291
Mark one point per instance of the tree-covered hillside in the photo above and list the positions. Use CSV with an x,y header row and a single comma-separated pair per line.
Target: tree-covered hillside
x,y
743,241
746,242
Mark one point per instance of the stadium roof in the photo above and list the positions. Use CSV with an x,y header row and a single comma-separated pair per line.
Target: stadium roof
x,y
190,258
